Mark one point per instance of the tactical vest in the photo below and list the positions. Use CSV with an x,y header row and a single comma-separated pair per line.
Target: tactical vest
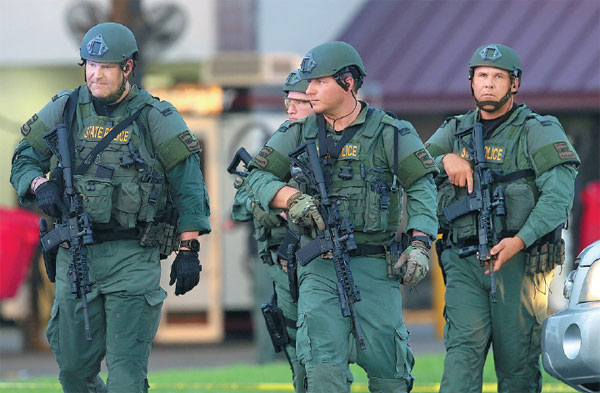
x,y
505,150
125,184
361,182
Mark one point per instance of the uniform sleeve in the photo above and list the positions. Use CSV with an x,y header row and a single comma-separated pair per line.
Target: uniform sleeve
x,y
242,205
548,145
414,161
557,189
27,164
421,206
271,167
170,135
190,195
442,143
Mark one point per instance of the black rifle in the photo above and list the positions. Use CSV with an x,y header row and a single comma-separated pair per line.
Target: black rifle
x,y
287,248
338,237
483,200
74,227
241,155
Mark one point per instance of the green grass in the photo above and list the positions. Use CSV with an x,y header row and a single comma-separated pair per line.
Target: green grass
x,y
268,378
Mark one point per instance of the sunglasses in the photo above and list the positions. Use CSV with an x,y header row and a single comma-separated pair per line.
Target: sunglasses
x,y
294,101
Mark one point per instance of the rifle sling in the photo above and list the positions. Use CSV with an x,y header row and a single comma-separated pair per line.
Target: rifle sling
x,y
514,175
83,167
68,117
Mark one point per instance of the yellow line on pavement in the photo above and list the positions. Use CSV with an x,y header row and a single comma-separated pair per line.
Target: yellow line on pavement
x,y
264,387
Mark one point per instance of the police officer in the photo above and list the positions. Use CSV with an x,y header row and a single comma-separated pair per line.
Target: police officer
x,y
368,157
536,167
270,230
126,190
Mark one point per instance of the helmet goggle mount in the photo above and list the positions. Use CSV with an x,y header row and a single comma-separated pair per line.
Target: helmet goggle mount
x,y
292,79
96,46
308,63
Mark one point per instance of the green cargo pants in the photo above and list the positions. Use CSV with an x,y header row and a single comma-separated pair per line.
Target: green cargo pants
x,y
290,310
324,343
124,311
512,325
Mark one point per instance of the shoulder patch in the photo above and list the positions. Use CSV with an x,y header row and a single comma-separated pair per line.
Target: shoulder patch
x,y
190,142
26,128
284,127
425,158
265,151
260,161
545,121
61,93
262,158
163,107
564,153
396,123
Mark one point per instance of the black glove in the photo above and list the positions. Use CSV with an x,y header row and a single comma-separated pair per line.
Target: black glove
x,y
186,270
49,200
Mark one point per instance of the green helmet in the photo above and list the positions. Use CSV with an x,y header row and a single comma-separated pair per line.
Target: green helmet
x,y
295,83
108,43
330,58
498,56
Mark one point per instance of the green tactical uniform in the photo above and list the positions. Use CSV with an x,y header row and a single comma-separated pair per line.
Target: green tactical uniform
x,y
365,196
537,201
126,300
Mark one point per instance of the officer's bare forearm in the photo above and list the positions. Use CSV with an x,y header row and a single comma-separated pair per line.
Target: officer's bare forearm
x,y
280,199
189,235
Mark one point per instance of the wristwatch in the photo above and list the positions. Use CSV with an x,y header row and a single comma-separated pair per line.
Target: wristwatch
x,y
192,244
423,239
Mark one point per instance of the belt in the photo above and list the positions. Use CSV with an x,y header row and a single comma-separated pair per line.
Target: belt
x,y
102,236
105,235
367,250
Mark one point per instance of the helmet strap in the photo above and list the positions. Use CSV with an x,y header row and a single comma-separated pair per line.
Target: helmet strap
x,y
113,98
494,104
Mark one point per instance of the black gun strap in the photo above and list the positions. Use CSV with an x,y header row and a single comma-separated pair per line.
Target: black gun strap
x,y
81,169
327,147
514,175
396,132
69,116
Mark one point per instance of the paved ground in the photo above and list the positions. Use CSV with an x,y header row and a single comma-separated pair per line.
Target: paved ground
x,y
15,364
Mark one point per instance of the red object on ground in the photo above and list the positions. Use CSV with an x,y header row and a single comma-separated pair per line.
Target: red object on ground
x,y
590,219
19,237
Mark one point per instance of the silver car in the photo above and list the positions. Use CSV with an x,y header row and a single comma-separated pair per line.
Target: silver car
x,y
571,338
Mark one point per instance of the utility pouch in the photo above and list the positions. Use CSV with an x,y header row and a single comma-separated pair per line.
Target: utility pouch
x,y
392,254
162,233
275,322
546,253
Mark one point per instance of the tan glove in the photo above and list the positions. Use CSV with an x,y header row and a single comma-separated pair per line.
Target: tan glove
x,y
414,263
302,210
